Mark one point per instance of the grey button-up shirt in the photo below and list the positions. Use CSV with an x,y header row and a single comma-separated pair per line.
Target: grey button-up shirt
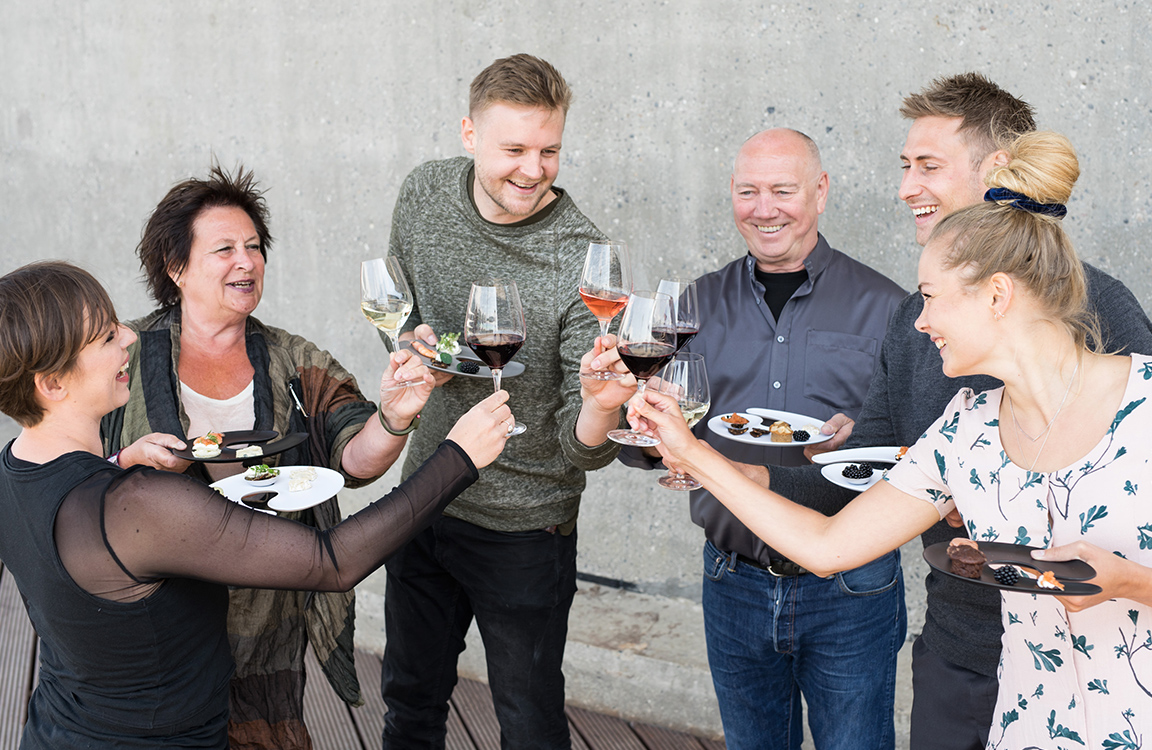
x,y
816,360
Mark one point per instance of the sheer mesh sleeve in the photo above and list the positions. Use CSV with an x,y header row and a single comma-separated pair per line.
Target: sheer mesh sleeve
x,y
160,525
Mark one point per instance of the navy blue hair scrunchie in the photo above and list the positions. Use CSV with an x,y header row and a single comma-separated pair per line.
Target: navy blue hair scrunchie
x,y
1024,203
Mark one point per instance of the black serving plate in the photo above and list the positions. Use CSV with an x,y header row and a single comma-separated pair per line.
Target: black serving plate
x,y
246,437
1071,573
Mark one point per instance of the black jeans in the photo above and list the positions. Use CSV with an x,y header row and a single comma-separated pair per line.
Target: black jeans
x,y
519,587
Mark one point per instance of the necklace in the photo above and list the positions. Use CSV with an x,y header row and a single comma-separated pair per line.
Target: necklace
x,y
1047,427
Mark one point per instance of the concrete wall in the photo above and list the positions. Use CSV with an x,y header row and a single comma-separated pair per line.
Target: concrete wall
x,y
103,105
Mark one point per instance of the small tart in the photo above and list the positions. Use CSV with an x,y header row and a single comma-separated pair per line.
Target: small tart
x,y
781,432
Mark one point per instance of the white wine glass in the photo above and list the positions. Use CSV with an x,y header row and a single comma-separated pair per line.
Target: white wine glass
x,y
683,294
646,342
685,379
386,301
605,285
494,327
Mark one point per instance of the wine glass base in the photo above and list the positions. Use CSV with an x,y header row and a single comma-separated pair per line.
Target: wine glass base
x,y
633,438
517,429
400,385
601,375
682,482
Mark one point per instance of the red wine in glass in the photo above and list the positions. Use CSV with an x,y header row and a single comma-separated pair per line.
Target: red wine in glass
x,y
687,309
647,341
495,349
494,327
645,359
683,335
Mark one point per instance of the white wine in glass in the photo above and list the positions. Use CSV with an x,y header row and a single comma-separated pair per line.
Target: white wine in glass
x,y
686,379
386,301
385,297
605,285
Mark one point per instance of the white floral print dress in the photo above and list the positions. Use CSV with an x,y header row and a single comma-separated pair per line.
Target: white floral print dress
x,y
1067,680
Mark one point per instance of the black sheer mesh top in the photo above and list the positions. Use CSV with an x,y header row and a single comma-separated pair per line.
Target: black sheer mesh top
x,y
124,575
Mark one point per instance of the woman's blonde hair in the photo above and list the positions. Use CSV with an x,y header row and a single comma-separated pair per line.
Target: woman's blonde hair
x,y
1017,231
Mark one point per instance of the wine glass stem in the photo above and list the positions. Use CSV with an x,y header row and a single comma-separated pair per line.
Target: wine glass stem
x,y
394,340
603,326
496,373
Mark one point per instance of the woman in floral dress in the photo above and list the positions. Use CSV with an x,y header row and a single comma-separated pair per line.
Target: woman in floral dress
x,y
1056,458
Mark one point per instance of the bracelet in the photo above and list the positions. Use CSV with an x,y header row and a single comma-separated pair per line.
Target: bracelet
x,y
115,459
398,433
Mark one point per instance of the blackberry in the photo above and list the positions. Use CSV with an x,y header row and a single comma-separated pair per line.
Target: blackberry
x,y
857,471
468,366
1006,575
801,436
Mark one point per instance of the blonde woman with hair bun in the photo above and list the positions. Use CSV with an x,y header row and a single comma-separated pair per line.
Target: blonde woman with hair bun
x,y
1054,459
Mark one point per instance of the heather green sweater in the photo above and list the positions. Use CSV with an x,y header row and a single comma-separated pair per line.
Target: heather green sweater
x,y
444,245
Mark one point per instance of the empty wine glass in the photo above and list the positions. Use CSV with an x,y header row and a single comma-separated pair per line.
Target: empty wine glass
x,y
494,327
683,294
605,285
647,341
686,379
386,300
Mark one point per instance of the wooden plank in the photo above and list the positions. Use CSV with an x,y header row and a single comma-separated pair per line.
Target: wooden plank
x,y
712,744
326,715
600,731
17,662
369,718
658,738
473,700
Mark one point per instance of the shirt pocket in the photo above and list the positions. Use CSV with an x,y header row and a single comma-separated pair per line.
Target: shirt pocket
x,y
838,368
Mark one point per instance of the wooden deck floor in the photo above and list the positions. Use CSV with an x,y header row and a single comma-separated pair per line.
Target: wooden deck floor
x,y
334,726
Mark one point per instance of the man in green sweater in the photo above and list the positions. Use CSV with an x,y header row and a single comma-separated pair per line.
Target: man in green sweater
x,y
505,551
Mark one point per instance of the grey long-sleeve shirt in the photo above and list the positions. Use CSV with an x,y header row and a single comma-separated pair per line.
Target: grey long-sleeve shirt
x,y
816,360
444,245
908,393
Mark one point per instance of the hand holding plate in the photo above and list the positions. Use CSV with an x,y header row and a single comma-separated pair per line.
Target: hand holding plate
x,y
1119,578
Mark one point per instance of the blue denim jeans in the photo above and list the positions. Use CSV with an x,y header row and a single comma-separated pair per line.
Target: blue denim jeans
x,y
834,640
519,586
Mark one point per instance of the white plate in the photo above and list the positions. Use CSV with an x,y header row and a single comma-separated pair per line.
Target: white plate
x,y
878,454
762,418
834,474
326,484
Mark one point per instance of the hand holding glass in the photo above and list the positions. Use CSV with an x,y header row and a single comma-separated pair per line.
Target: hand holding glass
x,y
605,285
646,342
494,327
686,379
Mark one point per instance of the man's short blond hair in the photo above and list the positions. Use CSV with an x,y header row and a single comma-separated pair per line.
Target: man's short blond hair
x,y
990,117
522,80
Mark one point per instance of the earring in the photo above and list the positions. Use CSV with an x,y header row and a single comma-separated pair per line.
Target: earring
x,y
180,283
998,315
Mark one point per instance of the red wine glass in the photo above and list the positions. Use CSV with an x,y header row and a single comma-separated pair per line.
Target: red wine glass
x,y
647,341
494,327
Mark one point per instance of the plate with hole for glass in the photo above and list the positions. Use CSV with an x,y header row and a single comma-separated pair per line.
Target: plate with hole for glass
x,y
1065,579
256,444
754,426
295,487
464,363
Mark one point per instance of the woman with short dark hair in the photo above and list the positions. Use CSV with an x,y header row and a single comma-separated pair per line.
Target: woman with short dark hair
x,y
125,572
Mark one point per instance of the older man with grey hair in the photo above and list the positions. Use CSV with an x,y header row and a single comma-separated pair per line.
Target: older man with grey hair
x,y
793,325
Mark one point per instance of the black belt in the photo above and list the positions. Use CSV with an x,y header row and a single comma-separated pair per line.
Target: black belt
x,y
778,568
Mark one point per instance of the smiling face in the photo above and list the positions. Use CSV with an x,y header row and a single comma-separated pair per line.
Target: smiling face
x,y
224,278
98,381
957,317
517,156
938,174
778,191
